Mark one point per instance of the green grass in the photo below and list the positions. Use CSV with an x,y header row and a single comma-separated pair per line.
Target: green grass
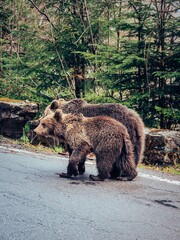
x,y
58,149
172,169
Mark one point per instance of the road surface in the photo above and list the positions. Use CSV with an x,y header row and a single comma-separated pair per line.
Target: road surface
x,y
35,204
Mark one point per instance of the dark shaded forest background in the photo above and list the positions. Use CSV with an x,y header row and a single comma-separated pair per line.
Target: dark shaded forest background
x,y
103,51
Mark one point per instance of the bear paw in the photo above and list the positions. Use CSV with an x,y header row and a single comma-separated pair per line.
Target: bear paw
x,y
65,175
95,178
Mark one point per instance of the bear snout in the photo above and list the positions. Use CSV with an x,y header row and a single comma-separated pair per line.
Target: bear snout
x,y
36,131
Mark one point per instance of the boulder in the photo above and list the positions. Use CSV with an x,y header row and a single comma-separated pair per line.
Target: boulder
x,y
162,147
14,114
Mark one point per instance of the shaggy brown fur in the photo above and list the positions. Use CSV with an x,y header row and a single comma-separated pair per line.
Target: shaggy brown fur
x,y
106,137
129,118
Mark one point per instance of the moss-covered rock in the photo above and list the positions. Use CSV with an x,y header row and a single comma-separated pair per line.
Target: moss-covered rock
x,y
14,114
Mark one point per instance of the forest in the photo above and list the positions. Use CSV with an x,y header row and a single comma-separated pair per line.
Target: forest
x,y
100,50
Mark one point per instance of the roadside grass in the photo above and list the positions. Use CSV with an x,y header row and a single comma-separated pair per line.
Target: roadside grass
x,y
41,148
172,169
25,140
24,143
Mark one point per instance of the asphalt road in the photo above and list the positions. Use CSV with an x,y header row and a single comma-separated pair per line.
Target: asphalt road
x,y
35,204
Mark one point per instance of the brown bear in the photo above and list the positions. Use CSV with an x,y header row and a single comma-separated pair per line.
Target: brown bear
x,y
106,137
128,117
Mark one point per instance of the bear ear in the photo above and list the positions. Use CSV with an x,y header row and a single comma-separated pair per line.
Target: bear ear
x,y
80,115
54,104
61,100
58,115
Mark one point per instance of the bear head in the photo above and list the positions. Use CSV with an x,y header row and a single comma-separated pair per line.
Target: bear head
x,y
65,119
46,126
66,122
56,124
55,104
72,106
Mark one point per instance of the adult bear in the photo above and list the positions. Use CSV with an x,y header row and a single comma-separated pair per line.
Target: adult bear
x,y
126,116
106,137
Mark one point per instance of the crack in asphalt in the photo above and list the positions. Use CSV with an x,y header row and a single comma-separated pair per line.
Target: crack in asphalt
x,y
165,203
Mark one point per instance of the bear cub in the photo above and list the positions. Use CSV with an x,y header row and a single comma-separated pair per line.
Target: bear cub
x,y
106,137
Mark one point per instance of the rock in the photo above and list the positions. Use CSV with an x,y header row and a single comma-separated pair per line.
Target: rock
x,y
162,147
14,114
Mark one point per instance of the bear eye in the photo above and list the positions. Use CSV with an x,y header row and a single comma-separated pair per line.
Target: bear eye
x,y
43,125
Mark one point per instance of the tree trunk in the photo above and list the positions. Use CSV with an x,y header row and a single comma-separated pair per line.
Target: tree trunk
x,y
162,80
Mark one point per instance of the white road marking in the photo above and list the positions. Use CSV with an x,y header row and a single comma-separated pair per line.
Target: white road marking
x,y
15,150
159,178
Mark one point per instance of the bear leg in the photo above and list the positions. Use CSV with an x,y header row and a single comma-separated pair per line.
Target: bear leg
x,y
129,171
77,160
104,166
81,167
125,162
117,173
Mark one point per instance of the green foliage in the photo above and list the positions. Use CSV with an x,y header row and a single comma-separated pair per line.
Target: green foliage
x,y
171,115
124,51
58,149
24,137
94,98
